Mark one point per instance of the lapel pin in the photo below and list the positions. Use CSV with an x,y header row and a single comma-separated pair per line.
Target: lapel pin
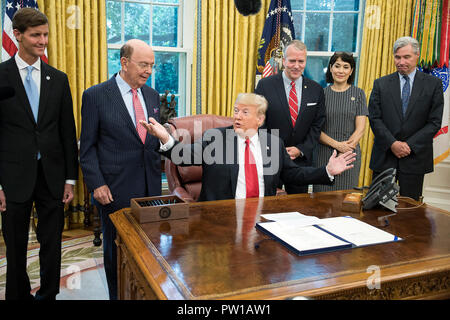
x,y
306,87
353,98
48,77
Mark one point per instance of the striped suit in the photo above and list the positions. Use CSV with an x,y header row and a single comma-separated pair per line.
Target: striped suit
x,y
112,154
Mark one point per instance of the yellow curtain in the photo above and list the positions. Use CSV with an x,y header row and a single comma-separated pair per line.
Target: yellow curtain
x,y
384,22
77,46
229,43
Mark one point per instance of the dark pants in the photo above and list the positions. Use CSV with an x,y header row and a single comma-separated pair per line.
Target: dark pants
x,y
109,251
411,185
15,225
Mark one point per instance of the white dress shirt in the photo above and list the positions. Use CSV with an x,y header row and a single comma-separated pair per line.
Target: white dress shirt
x,y
411,77
255,148
127,96
36,74
298,88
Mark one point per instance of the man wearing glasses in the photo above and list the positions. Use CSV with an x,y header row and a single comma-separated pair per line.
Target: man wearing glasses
x,y
117,156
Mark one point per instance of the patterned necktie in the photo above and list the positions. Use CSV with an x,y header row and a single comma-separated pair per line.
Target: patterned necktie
x,y
293,103
139,115
32,93
251,174
405,94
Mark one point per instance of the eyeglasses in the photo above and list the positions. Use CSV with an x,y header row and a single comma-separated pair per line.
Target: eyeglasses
x,y
143,65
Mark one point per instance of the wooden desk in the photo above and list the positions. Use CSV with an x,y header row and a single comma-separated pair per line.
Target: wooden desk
x,y
212,255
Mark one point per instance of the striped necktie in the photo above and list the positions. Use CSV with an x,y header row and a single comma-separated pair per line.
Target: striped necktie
x,y
139,115
293,103
405,94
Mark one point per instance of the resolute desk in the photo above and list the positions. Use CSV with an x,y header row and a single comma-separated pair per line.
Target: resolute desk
x,y
212,254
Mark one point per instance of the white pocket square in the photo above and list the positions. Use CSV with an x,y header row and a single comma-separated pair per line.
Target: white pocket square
x,y
311,104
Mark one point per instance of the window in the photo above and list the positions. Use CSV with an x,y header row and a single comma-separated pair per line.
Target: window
x,y
326,26
167,26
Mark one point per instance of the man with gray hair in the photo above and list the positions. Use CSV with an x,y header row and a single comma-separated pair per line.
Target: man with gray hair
x,y
296,108
117,157
405,112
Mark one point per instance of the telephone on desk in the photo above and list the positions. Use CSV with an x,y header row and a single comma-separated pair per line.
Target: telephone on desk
x,y
383,190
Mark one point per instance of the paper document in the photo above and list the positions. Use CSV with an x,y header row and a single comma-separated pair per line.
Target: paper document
x,y
355,231
305,240
308,234
292,219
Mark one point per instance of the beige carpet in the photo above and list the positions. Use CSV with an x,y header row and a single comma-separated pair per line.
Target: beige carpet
x,y
80,275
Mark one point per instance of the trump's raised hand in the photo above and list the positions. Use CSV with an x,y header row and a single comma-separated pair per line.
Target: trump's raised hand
x,y
156,129
337,165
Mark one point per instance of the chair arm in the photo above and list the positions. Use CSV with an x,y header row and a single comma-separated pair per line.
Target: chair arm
x,y
181,193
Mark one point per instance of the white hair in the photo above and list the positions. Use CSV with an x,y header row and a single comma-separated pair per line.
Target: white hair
x,y
404,41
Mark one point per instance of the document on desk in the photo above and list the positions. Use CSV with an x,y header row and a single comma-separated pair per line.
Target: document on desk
x,y
303,239
357,232
305,236
292,219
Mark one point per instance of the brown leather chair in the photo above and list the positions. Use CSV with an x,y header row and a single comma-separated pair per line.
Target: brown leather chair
x,y
186,182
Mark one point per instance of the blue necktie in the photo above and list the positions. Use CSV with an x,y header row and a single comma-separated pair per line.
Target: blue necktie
x,y
32,93
405,94
33,96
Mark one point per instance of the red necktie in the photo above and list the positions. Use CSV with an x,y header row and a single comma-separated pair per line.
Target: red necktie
x,y
249,221
293,103
251,174
139,115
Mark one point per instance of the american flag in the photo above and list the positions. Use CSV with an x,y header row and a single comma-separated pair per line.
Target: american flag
x,y
9,43
278,31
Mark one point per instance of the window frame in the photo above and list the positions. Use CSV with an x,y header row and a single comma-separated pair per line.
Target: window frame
x,y
184,47
331,13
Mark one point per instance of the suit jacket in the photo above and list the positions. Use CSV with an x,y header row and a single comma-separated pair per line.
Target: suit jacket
x,y
21,137
417,128
311,116
219,178
111,152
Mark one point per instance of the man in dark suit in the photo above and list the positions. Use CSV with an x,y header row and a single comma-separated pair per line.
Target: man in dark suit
x,y
241,161
38,157
296,108
117,157
405,112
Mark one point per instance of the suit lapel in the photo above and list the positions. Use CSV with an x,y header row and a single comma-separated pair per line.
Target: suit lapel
x,y
231,142
303,98
152,109
418,87
16,80
266,152
279,87
45,89
118,103
396,93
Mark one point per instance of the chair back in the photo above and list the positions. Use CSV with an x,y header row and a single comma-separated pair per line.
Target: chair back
x,y
186,182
